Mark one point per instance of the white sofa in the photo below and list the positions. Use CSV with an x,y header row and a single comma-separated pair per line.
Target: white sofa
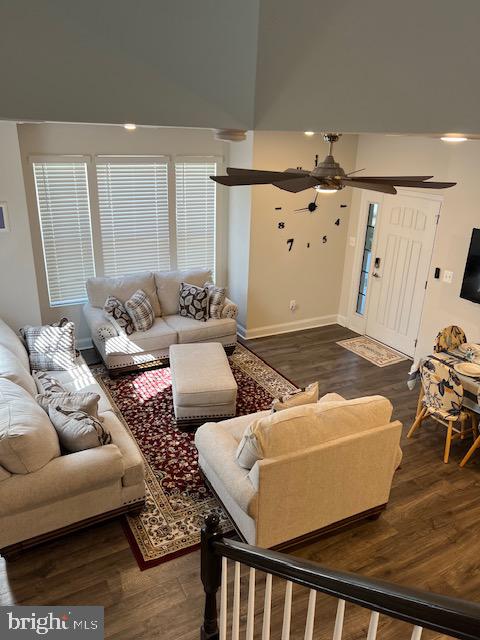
x,y
124,353
322,465
50,494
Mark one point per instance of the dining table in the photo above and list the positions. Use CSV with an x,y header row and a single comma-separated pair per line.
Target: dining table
x,y
471,384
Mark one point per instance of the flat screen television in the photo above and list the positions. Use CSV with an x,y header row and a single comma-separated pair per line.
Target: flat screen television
x,y
471,277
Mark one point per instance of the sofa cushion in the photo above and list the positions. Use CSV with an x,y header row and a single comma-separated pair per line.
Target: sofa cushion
x,y
46,383
189,330
27,438
314,424
168,286
12,368
331,397
12,342
123,288
4,474
159,336
81,379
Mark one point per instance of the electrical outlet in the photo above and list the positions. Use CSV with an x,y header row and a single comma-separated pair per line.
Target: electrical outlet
x,y
448,276
293,305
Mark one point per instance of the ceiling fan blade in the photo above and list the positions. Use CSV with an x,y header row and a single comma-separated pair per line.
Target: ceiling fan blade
x,y
297,185
391,179
267,176
233,181
426,185
372,186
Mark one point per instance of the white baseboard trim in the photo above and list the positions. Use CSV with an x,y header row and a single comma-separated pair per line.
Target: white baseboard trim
x,y
342,320
84,343
288,327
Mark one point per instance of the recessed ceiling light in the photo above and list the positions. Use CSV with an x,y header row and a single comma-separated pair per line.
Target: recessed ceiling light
x,y
130,126
453,138
309,133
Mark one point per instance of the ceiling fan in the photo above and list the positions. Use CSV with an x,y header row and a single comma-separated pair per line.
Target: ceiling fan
x,y
326,177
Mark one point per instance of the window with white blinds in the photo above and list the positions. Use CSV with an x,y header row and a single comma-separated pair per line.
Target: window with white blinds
x,y
195,214
134,220
64,213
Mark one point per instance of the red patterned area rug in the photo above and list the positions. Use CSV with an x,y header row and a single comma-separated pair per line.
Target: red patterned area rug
x,y
177,498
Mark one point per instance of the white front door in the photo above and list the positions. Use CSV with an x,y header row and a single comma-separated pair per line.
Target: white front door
x,y
399,269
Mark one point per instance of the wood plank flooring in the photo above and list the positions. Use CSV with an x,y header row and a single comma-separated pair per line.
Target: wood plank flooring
x,y
426,538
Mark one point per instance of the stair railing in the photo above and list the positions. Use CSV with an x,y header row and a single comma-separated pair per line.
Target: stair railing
x,y
422,609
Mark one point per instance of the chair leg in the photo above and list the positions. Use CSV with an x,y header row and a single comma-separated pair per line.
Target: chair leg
x,y
448,442
470,452
418,421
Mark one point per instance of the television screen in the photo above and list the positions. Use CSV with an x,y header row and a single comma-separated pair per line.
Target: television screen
x,y
471,277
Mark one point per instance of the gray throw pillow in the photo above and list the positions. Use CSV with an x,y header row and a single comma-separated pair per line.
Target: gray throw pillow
x,y
193,302
51,348
77,430
140,311
216,300
117,314
47,384
248,450
87,402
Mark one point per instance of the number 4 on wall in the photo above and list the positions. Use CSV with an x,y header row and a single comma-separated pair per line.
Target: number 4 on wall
x,y
290,243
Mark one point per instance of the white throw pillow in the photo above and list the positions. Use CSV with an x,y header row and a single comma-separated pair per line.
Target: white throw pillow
x,y
140,311
27,438
308,395
71,401
248,451
50,347
77,430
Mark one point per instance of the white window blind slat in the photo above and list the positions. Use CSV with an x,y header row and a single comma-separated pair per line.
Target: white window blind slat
x,y
64,214
133,206
195,214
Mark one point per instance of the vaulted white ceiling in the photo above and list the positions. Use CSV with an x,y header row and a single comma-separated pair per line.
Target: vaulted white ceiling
x,y
348,65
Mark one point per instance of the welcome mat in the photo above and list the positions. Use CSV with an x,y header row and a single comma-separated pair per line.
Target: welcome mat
x,y
177,499
373,351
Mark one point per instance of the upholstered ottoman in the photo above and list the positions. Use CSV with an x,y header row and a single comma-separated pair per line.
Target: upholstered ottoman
x,y
203,385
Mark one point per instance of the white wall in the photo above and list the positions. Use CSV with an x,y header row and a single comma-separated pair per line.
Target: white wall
x,y
460,213
64,139
19,303
312,275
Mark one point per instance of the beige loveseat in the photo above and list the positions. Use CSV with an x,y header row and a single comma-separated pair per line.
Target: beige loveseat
x,y
44,493
122,352
321,463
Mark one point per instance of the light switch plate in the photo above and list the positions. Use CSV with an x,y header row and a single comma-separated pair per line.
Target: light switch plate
x,y
448,276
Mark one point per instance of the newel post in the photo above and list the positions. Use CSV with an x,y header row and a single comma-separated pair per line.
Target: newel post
x,y
211,574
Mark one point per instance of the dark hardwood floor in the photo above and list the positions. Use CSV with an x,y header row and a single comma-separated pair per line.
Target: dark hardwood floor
x,y
426,538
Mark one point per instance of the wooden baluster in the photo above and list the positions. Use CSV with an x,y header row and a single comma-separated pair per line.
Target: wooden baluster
x,y
211,571
312,598
251,606
287,611
417,633
223,600
267,607
338,630
372,627
236,603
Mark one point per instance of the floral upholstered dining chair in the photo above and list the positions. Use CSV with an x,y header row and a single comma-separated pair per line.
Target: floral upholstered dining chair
x,y
442,401
449,338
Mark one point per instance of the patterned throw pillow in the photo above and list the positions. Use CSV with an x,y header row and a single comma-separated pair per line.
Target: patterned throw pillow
x,y
307,396
216,300
140,311
193,302
118,316
51,348
86,401
77,430
47,384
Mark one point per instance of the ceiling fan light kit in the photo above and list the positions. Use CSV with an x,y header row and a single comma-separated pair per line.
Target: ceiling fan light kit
x,y
326,177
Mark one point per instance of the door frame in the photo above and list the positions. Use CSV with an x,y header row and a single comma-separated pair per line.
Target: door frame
x,y
355,321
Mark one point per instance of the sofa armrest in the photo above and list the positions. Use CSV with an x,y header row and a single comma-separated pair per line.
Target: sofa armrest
x,y
230,309
62,477
100,327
